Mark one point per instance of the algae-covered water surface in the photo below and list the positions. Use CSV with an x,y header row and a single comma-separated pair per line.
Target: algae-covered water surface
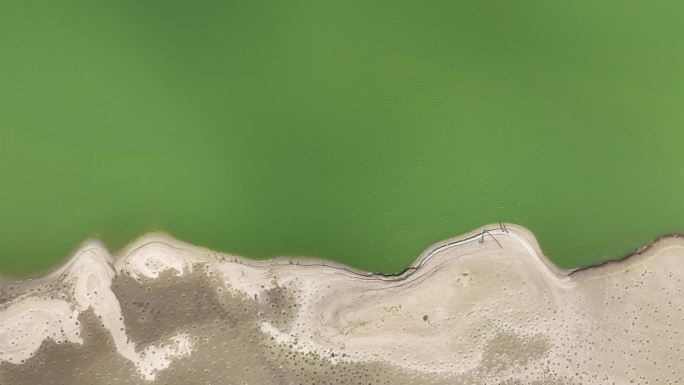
x,y
356,131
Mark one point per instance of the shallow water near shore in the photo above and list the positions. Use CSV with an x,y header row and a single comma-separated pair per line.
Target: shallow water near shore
x,y
353,131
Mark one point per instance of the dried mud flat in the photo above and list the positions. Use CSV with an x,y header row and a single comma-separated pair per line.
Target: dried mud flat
x,y
483,308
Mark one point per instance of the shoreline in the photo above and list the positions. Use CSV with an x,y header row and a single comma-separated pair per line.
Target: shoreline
x,y
486,230
494,277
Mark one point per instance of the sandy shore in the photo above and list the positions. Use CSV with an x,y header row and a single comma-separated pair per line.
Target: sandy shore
x,y
485,307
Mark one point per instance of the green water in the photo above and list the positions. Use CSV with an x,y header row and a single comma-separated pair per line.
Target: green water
x,y
358,131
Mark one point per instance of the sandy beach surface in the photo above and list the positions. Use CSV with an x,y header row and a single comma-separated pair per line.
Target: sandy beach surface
x,y
482,308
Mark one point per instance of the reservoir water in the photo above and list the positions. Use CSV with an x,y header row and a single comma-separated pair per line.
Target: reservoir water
x,y
355,131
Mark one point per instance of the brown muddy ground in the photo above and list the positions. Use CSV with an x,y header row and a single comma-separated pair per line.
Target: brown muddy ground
x,y
228,347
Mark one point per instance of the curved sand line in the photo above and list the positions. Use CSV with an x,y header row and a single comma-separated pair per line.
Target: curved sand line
x,y
487,305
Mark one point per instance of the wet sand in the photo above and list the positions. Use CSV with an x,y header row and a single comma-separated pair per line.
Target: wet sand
x,y
483,308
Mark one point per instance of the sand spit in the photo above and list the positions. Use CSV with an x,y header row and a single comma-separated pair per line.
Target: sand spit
x,y
483,308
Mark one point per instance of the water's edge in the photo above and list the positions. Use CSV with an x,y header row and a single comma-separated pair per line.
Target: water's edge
x,y
490,230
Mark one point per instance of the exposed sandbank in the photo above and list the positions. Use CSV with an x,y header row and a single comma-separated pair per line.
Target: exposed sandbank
x,y
485,307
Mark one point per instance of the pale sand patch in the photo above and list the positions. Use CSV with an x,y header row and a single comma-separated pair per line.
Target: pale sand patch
x,y
487,305
25,324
